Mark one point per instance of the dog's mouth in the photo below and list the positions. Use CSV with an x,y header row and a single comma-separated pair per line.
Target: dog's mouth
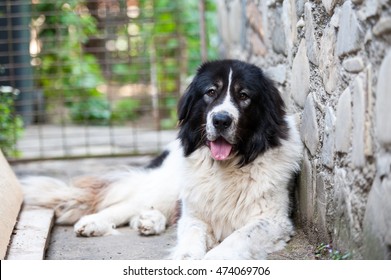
x,y
220,148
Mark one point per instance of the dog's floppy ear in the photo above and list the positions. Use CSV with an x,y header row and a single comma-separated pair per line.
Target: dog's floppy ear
x,y
185,104
189,121
269,126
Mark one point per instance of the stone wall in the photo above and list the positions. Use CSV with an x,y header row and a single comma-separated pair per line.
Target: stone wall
x,y
331,60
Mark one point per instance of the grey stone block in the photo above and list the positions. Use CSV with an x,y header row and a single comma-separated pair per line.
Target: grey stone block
x,y
256,33
257,45
328,138
278,34
232,32
383,102
343,126
306,192
254,18
289,21
327,60
353,64
277,73
350,34
312,46
235,26
342,210
359,106
300,79
377,219
321,209
368,148
309,127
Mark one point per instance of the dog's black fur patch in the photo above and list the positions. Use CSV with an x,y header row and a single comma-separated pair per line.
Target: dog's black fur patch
x,y
261,124
158,161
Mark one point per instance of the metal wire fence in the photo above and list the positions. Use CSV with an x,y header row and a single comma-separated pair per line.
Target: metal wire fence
x,y
96,77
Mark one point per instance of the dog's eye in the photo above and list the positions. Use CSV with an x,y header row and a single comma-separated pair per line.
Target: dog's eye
x,y
211,92
243,96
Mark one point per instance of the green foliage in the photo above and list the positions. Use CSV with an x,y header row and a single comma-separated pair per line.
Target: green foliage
x,y
212,32
169,31
172,119
64,23
191,15
162,40
66,70
11,126
326,251
173,37
130,73
97,111
125,110
94,110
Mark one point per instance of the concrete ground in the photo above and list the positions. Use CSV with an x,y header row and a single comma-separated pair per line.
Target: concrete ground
x,y
128,245
64,244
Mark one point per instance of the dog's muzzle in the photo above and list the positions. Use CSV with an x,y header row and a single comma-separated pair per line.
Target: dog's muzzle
x,y
220,134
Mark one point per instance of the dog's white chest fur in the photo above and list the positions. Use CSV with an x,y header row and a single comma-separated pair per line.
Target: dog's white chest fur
x,y
220,193
222,198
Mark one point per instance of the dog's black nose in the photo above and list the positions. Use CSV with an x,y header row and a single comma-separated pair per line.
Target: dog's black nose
x,y
222,121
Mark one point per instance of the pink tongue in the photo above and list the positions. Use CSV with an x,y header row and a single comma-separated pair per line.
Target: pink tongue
x,y
220,149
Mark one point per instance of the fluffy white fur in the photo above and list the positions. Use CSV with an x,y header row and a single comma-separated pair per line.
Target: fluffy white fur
x,y
146,199
227,212
232,213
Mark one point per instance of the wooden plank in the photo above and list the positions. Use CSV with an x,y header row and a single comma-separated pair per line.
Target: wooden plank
x,y
11,198
31,234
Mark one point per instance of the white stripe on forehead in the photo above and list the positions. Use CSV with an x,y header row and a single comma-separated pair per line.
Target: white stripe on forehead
x,y
227,105
227,98
229,80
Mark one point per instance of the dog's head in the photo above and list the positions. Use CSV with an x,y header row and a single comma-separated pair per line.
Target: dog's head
x,y
232,108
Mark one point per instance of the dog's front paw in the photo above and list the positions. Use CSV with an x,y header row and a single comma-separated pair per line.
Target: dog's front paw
x,y
149,222
91,225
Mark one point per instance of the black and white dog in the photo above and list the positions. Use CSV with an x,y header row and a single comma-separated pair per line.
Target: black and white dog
x,y
230,167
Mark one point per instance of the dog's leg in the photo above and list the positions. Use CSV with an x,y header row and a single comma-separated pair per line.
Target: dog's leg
x,y
149,222
253,241
105,221
192,239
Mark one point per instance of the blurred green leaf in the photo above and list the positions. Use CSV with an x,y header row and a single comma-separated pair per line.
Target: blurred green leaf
x,y
11,125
